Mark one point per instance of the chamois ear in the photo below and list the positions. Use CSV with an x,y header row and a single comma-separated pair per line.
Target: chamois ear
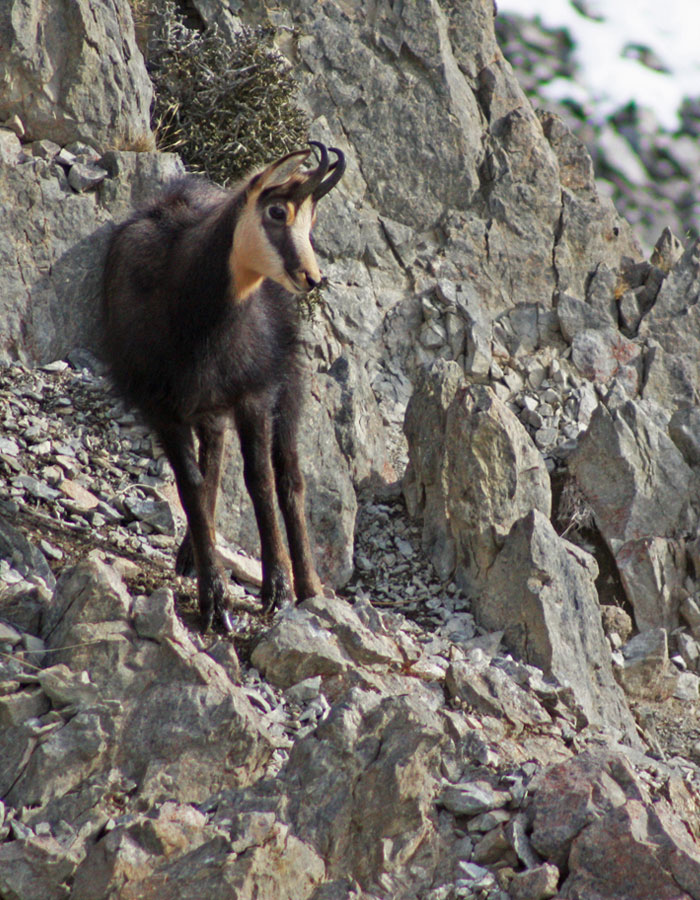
x,y
280,171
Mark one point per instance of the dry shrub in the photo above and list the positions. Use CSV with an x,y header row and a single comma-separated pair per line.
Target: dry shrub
x,y
225,107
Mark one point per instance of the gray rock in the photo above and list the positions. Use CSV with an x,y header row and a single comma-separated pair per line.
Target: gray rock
x,y
154,616
118,687
477,479
646,672
156,513
687,687
23,556
53,244
63,687
322,636
36,868
639,488
85,176
539,883
566,796
425,428
491,691
690,611
299,647
667,251
473,798
10,148
673,370
75,73
596,865
602,354
684,430
540,591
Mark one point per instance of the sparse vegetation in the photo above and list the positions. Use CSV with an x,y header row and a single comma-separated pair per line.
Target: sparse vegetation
x,y
224,107
575,512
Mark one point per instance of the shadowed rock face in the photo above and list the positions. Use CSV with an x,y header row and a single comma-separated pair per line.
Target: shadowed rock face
x,y
352,750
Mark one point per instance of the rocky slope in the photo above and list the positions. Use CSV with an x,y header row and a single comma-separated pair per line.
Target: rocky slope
x,y
646,166
500,700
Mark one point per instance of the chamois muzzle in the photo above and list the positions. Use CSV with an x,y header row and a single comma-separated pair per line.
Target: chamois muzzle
x,y
324,177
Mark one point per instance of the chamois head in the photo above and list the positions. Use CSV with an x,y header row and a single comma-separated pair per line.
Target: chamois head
x,y
272,238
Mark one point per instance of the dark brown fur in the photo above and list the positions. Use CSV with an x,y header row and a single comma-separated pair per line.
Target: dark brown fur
x,y
189,355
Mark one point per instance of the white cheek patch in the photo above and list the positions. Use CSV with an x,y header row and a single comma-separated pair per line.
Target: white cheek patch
x,y
252,256
300,231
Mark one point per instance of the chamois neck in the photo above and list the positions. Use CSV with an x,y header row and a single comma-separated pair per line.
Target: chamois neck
x,y
245,280
245,257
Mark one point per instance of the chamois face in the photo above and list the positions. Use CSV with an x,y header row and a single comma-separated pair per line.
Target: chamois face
x,y
273,234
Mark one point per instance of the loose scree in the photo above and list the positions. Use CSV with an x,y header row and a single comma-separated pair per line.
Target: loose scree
x,y
201,325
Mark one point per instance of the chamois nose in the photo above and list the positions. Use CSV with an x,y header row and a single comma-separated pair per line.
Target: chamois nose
x,y
311,281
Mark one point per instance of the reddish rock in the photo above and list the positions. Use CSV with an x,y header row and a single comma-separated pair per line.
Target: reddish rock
x,y
635,852
570,795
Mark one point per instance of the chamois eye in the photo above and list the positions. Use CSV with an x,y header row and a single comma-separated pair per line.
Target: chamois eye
x,y
277,213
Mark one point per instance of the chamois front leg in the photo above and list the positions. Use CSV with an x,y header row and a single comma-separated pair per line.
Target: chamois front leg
x,y
291,493
255,431
178,444
211,433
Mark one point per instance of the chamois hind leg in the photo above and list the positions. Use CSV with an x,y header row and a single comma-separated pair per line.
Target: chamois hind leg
x,y
291,493
178,443
211,433
254,423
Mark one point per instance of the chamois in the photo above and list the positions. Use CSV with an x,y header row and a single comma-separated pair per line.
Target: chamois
x,y
200,326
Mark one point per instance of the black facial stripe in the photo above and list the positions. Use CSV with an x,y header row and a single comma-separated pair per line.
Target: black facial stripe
x,y
280,237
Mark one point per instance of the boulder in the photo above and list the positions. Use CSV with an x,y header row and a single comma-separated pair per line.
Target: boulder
x,y
71,71
646,672
670,330
540,591
111,686
641,492
473,472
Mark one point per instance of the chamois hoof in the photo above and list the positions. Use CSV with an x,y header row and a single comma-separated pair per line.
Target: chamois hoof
x,y
212,602
223,620
217,619
277,592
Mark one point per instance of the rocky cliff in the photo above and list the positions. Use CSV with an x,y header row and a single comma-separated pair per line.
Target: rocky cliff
x,y
501,448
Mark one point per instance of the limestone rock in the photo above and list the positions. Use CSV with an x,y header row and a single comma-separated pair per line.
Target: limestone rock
x,y
539,883
322,636
566,796
371,766
425,428
638,851
164,714
472,483
52,241
34,868
646,672
640,489
494,475
23,556
541,592
670,328
72,71
491,690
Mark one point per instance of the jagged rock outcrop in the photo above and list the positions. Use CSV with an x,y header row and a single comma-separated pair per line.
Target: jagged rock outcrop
x,y
142,760
71,71
352,750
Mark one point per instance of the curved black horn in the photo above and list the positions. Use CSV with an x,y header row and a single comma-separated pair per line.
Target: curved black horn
x,y
313,181
336,170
